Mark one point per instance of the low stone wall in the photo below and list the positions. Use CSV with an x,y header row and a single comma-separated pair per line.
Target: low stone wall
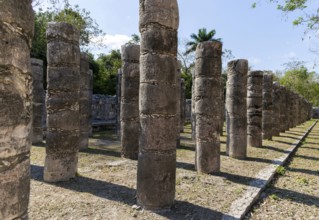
x,y
315,112
104,108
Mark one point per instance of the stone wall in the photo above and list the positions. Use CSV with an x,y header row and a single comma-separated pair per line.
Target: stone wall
x,y
315,112
104,108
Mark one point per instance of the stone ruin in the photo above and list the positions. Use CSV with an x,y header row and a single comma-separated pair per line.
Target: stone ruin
x,y
129,111
15,107
158,113
207,106
236,109
254,108
159,22
63,102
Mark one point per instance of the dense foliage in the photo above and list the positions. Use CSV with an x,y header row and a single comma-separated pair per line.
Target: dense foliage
x,y
300,80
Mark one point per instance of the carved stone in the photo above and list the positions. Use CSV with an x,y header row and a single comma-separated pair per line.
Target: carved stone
x,y
16,30
236,109
156,171
63,93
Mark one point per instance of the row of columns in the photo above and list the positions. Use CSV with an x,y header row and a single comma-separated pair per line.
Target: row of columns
x,y
156,118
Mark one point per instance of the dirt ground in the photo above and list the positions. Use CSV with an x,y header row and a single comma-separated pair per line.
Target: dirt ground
x,y
105,186
295,193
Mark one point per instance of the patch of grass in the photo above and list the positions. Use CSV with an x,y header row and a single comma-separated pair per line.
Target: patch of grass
x,y
303,180
274,197
280,170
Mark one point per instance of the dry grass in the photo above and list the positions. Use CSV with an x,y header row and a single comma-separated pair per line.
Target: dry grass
x,y
294,195
106,183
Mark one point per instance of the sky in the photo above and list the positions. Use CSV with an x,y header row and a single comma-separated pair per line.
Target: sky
x,y
264,35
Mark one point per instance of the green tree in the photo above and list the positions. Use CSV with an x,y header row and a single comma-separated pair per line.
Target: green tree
x,y
74,15
308,9
105,78
202,36
300,80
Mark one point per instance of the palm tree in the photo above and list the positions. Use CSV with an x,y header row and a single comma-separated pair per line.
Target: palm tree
x,y
202,36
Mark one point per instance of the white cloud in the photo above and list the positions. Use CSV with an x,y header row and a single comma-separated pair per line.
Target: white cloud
x,y
112,42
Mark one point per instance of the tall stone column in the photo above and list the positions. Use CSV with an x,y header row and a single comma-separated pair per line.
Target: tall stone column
x,y
118,109
156,171
208,67
193,115
282,126
63,93
84,101
129,115
90,101
183,106
276,109
254,108
222,109
16,30
178,103
236,106
37,100
267,123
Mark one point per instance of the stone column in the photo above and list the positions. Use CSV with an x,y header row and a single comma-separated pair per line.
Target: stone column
x,y
183,106
193,114
236,106
63,124
208,67
276,109
267,123
129,115
84,102
254,108
282,126
118,110
37,100
16,30
156,171
90,102
178,103
222,109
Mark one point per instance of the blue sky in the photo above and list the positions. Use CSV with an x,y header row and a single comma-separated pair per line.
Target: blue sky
x,y
264,36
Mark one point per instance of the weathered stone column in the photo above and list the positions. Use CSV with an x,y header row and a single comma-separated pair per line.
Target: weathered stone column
x,y
208,68
236,107
37,100
193,115
16,30
282,126
90,101
63,93
130,122
222,109
84,102
267,123
178,103
276,109
183,106
254,108
118,96
156,171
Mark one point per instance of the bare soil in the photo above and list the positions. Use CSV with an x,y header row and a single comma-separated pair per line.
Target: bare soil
x,y
295,194
105,186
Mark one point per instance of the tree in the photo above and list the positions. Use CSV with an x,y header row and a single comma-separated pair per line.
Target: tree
x,y
135,39
202,36
309,12
300,80
105,78
74,15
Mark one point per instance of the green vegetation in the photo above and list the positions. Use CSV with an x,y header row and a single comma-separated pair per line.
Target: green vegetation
x,y
309,12
299,79
280,170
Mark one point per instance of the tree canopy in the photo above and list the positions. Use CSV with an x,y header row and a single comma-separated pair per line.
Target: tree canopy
x,y
299,79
